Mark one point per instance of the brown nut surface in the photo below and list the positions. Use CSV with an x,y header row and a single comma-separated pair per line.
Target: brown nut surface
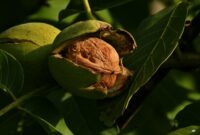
x,y
97,56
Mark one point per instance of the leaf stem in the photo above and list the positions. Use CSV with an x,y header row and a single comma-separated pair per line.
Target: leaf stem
x,y
88,9
18,101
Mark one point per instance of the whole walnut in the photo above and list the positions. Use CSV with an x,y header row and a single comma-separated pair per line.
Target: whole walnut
x,y
31,44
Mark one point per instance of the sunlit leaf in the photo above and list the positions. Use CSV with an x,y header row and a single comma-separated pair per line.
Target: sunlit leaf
x,y
11,74
49,11
189,115
47,115
191,130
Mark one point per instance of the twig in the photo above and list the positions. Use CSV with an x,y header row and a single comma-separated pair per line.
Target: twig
x,y
18,101
88,9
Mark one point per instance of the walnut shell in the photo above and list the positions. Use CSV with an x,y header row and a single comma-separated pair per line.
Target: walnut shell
x,y
86,64
31,44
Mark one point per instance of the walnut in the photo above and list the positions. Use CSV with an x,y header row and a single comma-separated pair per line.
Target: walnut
x,y
98,56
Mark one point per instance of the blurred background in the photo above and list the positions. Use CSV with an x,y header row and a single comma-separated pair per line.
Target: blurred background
x,y
128,15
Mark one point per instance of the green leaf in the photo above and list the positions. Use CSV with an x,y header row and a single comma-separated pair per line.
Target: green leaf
x,y
156,43
50,11
76,6
11,74
162,105
191,130
47,115
189,115
157,37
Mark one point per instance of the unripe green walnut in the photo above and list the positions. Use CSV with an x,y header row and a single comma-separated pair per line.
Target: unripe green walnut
x,y
31,44
86,59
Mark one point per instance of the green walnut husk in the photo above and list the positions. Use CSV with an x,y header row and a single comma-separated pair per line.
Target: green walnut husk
x,y
31,44
87,59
